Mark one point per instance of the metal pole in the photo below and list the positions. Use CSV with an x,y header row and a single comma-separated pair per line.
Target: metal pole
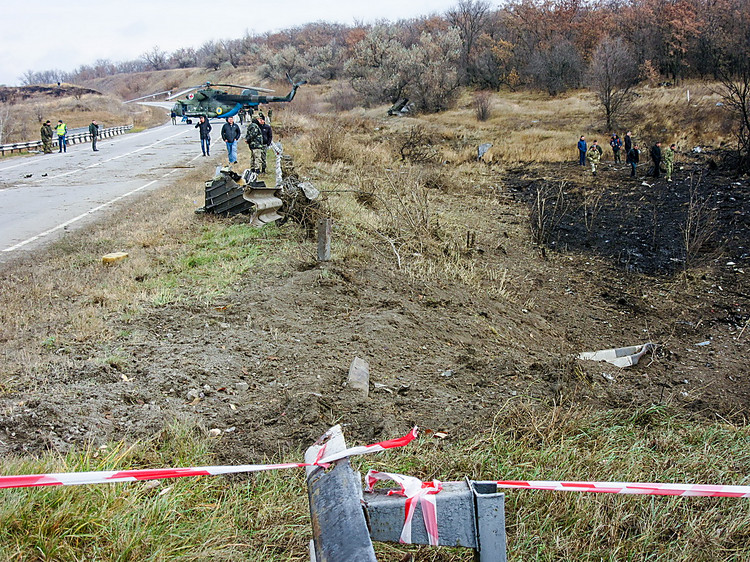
x,y
324,240
339,528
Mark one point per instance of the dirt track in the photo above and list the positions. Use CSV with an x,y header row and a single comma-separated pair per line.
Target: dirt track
x,y
267,363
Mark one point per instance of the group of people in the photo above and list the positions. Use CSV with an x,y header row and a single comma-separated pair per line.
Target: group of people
x,y
593,154
61,130
258,138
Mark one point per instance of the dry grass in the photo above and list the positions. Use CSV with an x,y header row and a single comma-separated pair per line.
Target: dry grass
x,y
70,296
27,116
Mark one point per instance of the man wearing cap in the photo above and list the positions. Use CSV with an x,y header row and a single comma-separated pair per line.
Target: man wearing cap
x,y
62,130
94,132
254,140
267,133
46,131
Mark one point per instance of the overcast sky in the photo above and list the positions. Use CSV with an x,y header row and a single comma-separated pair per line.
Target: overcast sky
x,y
46,34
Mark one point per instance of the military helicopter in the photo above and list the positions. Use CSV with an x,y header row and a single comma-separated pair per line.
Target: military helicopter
x,y
207,101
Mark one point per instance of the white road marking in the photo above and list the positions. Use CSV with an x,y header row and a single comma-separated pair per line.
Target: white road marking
x,y
100,162
79,217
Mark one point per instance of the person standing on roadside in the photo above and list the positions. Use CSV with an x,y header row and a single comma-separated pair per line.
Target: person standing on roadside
x,y
94,132
595,156
628,146
582,148
230,133
204,127
46,132
616,145
669,160
62,130
173,115
633,156
254,139
267,133
656,158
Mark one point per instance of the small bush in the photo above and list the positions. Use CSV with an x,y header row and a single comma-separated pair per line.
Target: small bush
x,y
328,144
343,98
416,146
482,106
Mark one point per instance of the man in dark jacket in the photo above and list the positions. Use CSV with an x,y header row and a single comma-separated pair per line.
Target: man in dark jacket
x,y
628,145
46,132
204,127
656,158
616,145
230,132
267,133
254,139
582,148
632,157
94,132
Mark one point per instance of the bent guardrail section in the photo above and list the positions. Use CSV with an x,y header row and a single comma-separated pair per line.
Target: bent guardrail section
x,y
73,138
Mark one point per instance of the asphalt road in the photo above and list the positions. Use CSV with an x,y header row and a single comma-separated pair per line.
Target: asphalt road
x,y
42,196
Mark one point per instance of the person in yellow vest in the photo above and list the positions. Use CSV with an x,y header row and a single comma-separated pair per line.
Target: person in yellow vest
x,y
62,130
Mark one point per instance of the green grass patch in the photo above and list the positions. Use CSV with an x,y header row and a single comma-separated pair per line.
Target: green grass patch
x,y
264,516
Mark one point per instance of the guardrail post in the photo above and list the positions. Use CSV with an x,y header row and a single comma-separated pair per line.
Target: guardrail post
x,y
339,528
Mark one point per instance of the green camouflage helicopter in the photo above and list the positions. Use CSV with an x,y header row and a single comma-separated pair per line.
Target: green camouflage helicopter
x,y
207,101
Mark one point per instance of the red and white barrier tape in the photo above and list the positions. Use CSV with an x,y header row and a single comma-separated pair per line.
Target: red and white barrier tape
x,y
103,477
415,492
642,488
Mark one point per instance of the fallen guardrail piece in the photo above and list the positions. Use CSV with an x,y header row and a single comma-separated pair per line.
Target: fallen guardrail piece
x,y
266,203
619,357
224,194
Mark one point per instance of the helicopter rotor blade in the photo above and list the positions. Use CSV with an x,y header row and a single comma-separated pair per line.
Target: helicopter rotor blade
x,y
178,94
256,88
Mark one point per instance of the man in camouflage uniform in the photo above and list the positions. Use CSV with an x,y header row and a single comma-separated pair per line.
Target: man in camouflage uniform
x,y
267,133
47,133
669,161
254,139
594,156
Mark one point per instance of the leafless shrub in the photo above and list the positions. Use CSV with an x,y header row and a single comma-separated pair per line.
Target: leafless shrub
x,y
437,177
343,98
482,106
593,201
328,144
546,209
699,227
417,146
409,209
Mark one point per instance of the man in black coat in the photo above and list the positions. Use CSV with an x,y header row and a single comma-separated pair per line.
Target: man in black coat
x,y
205,132
628,145
656,158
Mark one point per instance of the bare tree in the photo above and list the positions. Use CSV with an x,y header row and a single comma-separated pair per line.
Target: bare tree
x,y
469,17
556,68
735,88
613,72
156,59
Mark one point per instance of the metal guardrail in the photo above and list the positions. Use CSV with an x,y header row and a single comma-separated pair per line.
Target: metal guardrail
x,y
471,514
73,138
